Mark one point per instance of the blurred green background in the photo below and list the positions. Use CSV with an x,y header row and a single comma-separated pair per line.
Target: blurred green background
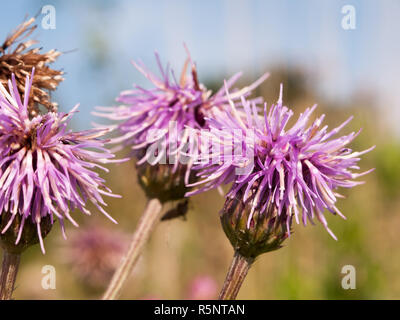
x,y
181,251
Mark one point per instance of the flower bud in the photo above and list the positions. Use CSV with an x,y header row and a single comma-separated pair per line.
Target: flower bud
x,y
252,231
26,231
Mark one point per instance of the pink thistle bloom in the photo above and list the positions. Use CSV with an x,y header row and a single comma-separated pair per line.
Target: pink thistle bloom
x,y
287,169
46,171
184,104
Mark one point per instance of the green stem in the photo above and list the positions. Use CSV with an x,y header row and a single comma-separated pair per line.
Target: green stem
x,y
235,277
8,274
150,218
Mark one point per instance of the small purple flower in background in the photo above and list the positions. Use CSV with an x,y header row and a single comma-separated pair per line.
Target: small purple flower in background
x,y
46,171
288,169
202,287
94,253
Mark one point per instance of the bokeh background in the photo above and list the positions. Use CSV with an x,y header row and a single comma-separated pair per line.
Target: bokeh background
x,y
304,46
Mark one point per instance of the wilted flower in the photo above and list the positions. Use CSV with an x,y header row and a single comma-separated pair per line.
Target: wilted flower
x,y
94,253
150,297
282,170
21,59
156,122
46,171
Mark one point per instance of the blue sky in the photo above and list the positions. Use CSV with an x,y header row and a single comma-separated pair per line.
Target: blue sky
x,y
223,37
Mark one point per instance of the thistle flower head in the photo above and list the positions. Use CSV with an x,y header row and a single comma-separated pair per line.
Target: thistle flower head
x,y
46,171
184,103
18,58
156,123
281,170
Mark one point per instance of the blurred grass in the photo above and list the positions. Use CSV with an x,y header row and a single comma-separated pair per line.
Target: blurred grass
x,y
308,267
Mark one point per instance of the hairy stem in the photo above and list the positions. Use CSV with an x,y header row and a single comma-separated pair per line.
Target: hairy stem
x,y
8,274
235,277
147,223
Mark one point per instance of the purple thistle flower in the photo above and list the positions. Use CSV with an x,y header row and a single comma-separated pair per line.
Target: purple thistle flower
x,y
185,103
288,169
46,171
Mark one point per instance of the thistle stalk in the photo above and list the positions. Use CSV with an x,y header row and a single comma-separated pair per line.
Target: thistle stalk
x,y
235,277
8,274
148,222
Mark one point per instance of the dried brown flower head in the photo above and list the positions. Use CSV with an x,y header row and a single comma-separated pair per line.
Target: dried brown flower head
x,y
17,56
